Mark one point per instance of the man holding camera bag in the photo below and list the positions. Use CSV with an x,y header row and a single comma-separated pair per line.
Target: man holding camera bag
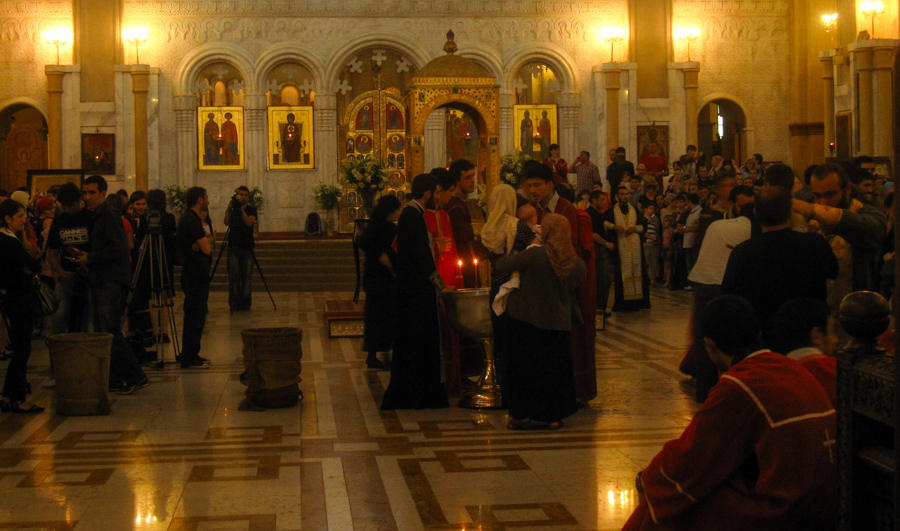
x,y
240,248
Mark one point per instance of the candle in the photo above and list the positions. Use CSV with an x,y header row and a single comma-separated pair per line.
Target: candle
x,y
459,281
477,274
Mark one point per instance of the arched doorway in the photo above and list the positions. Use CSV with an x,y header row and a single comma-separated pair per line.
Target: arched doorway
x,y
721,131
23,144
462,89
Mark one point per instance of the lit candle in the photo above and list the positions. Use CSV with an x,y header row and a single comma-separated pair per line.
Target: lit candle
x,y
459,281
477,274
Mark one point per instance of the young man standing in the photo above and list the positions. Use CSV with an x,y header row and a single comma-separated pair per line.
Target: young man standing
x,y
632,282
194,253
587,173
240,249
457,208
558,165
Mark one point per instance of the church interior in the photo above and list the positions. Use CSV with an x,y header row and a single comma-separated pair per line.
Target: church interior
x,y
280,96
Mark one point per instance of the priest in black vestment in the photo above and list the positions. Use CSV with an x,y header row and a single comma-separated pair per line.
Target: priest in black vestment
x,y
632,282
416,375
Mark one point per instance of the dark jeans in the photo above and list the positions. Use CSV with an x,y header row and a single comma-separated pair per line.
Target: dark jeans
x,y
19,329
74,310
240,273
707,373
196,296
109,304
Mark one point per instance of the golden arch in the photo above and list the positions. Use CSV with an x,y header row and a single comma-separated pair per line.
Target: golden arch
x,y
455,82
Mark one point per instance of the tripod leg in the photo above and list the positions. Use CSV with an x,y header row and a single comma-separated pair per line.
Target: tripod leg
x,y
218,258
263,277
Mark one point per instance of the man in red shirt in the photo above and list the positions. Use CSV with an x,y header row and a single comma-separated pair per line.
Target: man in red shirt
x,y
803,330
461,219
760,452
558,165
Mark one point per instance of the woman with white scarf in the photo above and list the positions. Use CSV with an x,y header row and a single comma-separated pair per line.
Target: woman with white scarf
x,y
503,234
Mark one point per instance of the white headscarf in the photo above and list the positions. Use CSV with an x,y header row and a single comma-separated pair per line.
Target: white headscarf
x,y
499,231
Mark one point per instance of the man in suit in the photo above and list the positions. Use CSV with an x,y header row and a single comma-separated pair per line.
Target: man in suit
x,y
416,364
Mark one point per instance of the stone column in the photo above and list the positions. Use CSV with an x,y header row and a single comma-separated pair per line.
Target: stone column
x,y
826,58
882,99
186,130
55,77
435,141
691,73
507,134
611,73
325,117
256,149
568,108
863,59
140,85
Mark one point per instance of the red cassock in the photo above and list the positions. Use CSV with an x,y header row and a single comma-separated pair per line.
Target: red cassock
x,y
442,245
758,455
824,368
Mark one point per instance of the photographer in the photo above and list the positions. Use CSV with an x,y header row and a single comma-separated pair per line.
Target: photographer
x,y
150,218
240,249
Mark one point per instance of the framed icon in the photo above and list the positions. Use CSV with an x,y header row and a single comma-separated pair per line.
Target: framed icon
x,y
220,138
291,138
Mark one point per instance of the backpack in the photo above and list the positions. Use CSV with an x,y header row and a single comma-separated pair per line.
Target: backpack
x,y
314,224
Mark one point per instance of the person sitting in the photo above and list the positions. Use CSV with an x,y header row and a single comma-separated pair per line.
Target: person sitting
x,y
803,330
759,454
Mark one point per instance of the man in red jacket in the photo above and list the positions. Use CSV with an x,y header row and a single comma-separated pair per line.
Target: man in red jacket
x,y
760,452
803,330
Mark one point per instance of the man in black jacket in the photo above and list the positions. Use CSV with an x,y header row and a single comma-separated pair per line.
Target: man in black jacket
x,y
416,364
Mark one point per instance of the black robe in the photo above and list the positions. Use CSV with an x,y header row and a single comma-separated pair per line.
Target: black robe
x,y
416,363
380,285
621,305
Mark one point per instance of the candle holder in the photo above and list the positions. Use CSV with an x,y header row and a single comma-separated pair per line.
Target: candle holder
x,y
688,35
872,9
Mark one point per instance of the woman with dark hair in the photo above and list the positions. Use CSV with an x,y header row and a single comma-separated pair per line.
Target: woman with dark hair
x,y
16,306
379,279
539,383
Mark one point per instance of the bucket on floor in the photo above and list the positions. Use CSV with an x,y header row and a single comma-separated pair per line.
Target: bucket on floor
x,y
271,368
81,368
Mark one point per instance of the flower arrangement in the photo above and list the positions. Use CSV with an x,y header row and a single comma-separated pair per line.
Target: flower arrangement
x,y
327,196
176,198
257,200
366,176
511,168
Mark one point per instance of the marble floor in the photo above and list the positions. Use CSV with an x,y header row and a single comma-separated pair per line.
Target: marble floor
x,y
179,455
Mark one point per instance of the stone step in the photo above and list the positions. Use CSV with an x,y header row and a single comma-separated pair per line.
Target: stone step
x,y
297,265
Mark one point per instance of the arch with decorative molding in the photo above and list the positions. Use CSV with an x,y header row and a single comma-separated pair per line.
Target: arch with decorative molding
x,y
281,53
563,65
194,62
39,106
747,140
354,45
485,56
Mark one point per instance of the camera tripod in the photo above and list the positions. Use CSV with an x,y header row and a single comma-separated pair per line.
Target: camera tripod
x,y
225,244
152,254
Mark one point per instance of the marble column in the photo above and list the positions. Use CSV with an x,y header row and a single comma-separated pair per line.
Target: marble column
x,y
186,130
435,140
140,85
826,58
568,108
691,73
862,57
507,134
611,73
325,118
882,98
256,149
55,77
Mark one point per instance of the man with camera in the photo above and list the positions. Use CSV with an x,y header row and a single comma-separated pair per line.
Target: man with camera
x,y
240,248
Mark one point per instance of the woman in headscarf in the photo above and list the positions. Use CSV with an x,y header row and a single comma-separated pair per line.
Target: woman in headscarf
x,y
539,383
503,234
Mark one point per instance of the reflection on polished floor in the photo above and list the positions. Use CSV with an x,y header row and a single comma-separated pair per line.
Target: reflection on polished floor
x,y
179,456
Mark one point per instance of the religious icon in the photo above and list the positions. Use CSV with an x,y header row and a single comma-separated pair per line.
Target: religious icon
x,y
396,143
360,157
291,137
350,145
98,153
653,134
363,143
401,161
396,179
394,117
220,138
391,160
534,140
462,137
364,118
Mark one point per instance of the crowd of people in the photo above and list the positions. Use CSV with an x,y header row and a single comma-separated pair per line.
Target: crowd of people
x,y
109,259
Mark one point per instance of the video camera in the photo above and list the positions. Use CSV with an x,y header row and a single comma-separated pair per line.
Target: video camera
x,y
154,222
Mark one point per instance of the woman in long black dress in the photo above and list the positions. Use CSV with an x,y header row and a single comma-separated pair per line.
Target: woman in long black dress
x,y
379,279
539,383
17,268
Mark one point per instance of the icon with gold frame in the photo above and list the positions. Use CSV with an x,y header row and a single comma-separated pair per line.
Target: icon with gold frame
x,y
535,127
291,138
220,138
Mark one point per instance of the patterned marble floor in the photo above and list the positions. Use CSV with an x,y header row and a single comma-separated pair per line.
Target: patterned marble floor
x,y
179,456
